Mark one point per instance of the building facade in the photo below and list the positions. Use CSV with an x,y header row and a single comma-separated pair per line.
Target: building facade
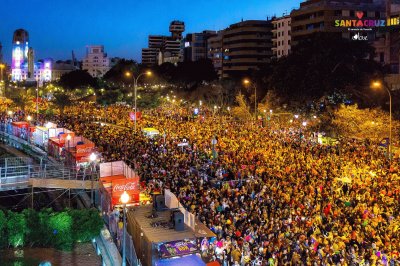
x,y
392,44
281,36
96,61
61,68
215,51
195,45
162,49
246,46
23,66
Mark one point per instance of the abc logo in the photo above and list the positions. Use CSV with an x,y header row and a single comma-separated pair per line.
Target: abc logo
x,y
359,37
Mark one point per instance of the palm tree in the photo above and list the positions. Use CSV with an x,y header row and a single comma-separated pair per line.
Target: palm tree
x,y
61,100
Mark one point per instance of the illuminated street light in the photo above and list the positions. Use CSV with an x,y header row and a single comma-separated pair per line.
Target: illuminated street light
x,y
92,156
296,116
380,85
10,113
248,82
124,200
29,118
304,124
135,81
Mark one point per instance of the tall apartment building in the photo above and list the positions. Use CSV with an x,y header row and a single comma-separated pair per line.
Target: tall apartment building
x,y
392,45
215,52
196,45
246,45
163,49
96,61
150,55
281,40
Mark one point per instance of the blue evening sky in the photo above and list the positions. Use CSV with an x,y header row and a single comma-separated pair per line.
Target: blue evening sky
x,y
56,27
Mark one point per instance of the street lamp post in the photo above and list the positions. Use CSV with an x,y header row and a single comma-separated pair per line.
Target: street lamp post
x,y
29,118
68,139
37,100
92,159
2,66
135,81
248,82
379,85
124,200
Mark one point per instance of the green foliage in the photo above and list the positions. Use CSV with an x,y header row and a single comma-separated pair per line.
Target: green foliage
x,y
322,65
77,79
62,100
3,233
86,224
47,228
109,97
16,228
61,224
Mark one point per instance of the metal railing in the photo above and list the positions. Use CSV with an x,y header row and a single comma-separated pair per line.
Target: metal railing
x,y
131,255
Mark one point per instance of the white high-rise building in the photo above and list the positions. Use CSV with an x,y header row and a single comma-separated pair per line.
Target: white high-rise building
x,y
281,40
96,61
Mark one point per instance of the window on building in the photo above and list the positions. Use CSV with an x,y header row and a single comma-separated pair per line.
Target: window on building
x,y
338,13
352,13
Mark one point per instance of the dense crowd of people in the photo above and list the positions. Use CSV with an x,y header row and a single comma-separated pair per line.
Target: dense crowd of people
x,y
270,196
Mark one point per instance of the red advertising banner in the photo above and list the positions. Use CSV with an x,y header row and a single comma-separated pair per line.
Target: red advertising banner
x,y
133,115
130,185
84,149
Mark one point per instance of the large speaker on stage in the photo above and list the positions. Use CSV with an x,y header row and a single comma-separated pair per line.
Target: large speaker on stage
x,y
178,220
159,202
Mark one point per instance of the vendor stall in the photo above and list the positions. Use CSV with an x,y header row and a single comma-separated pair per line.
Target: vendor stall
x,y
43,133
77,152
115,178
55,145
20,130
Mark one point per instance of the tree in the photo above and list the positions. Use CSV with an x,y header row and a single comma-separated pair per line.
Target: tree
x,y
34,233
16,229
322,65
22,100
3,228
373,124
86,225
77,79
61,100
188,75
61,224
117,73
242,111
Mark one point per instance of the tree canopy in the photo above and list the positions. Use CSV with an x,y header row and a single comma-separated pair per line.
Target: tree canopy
x,y
187,74
77,79
322,65
117,73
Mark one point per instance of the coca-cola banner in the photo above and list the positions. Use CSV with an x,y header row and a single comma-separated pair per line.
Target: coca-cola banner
x,y
83,149
130,185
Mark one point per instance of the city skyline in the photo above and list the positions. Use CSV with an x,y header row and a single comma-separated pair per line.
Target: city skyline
x,y
122,35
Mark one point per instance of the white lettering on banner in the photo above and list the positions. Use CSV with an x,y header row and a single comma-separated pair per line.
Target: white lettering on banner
x,y
84,150
127,186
